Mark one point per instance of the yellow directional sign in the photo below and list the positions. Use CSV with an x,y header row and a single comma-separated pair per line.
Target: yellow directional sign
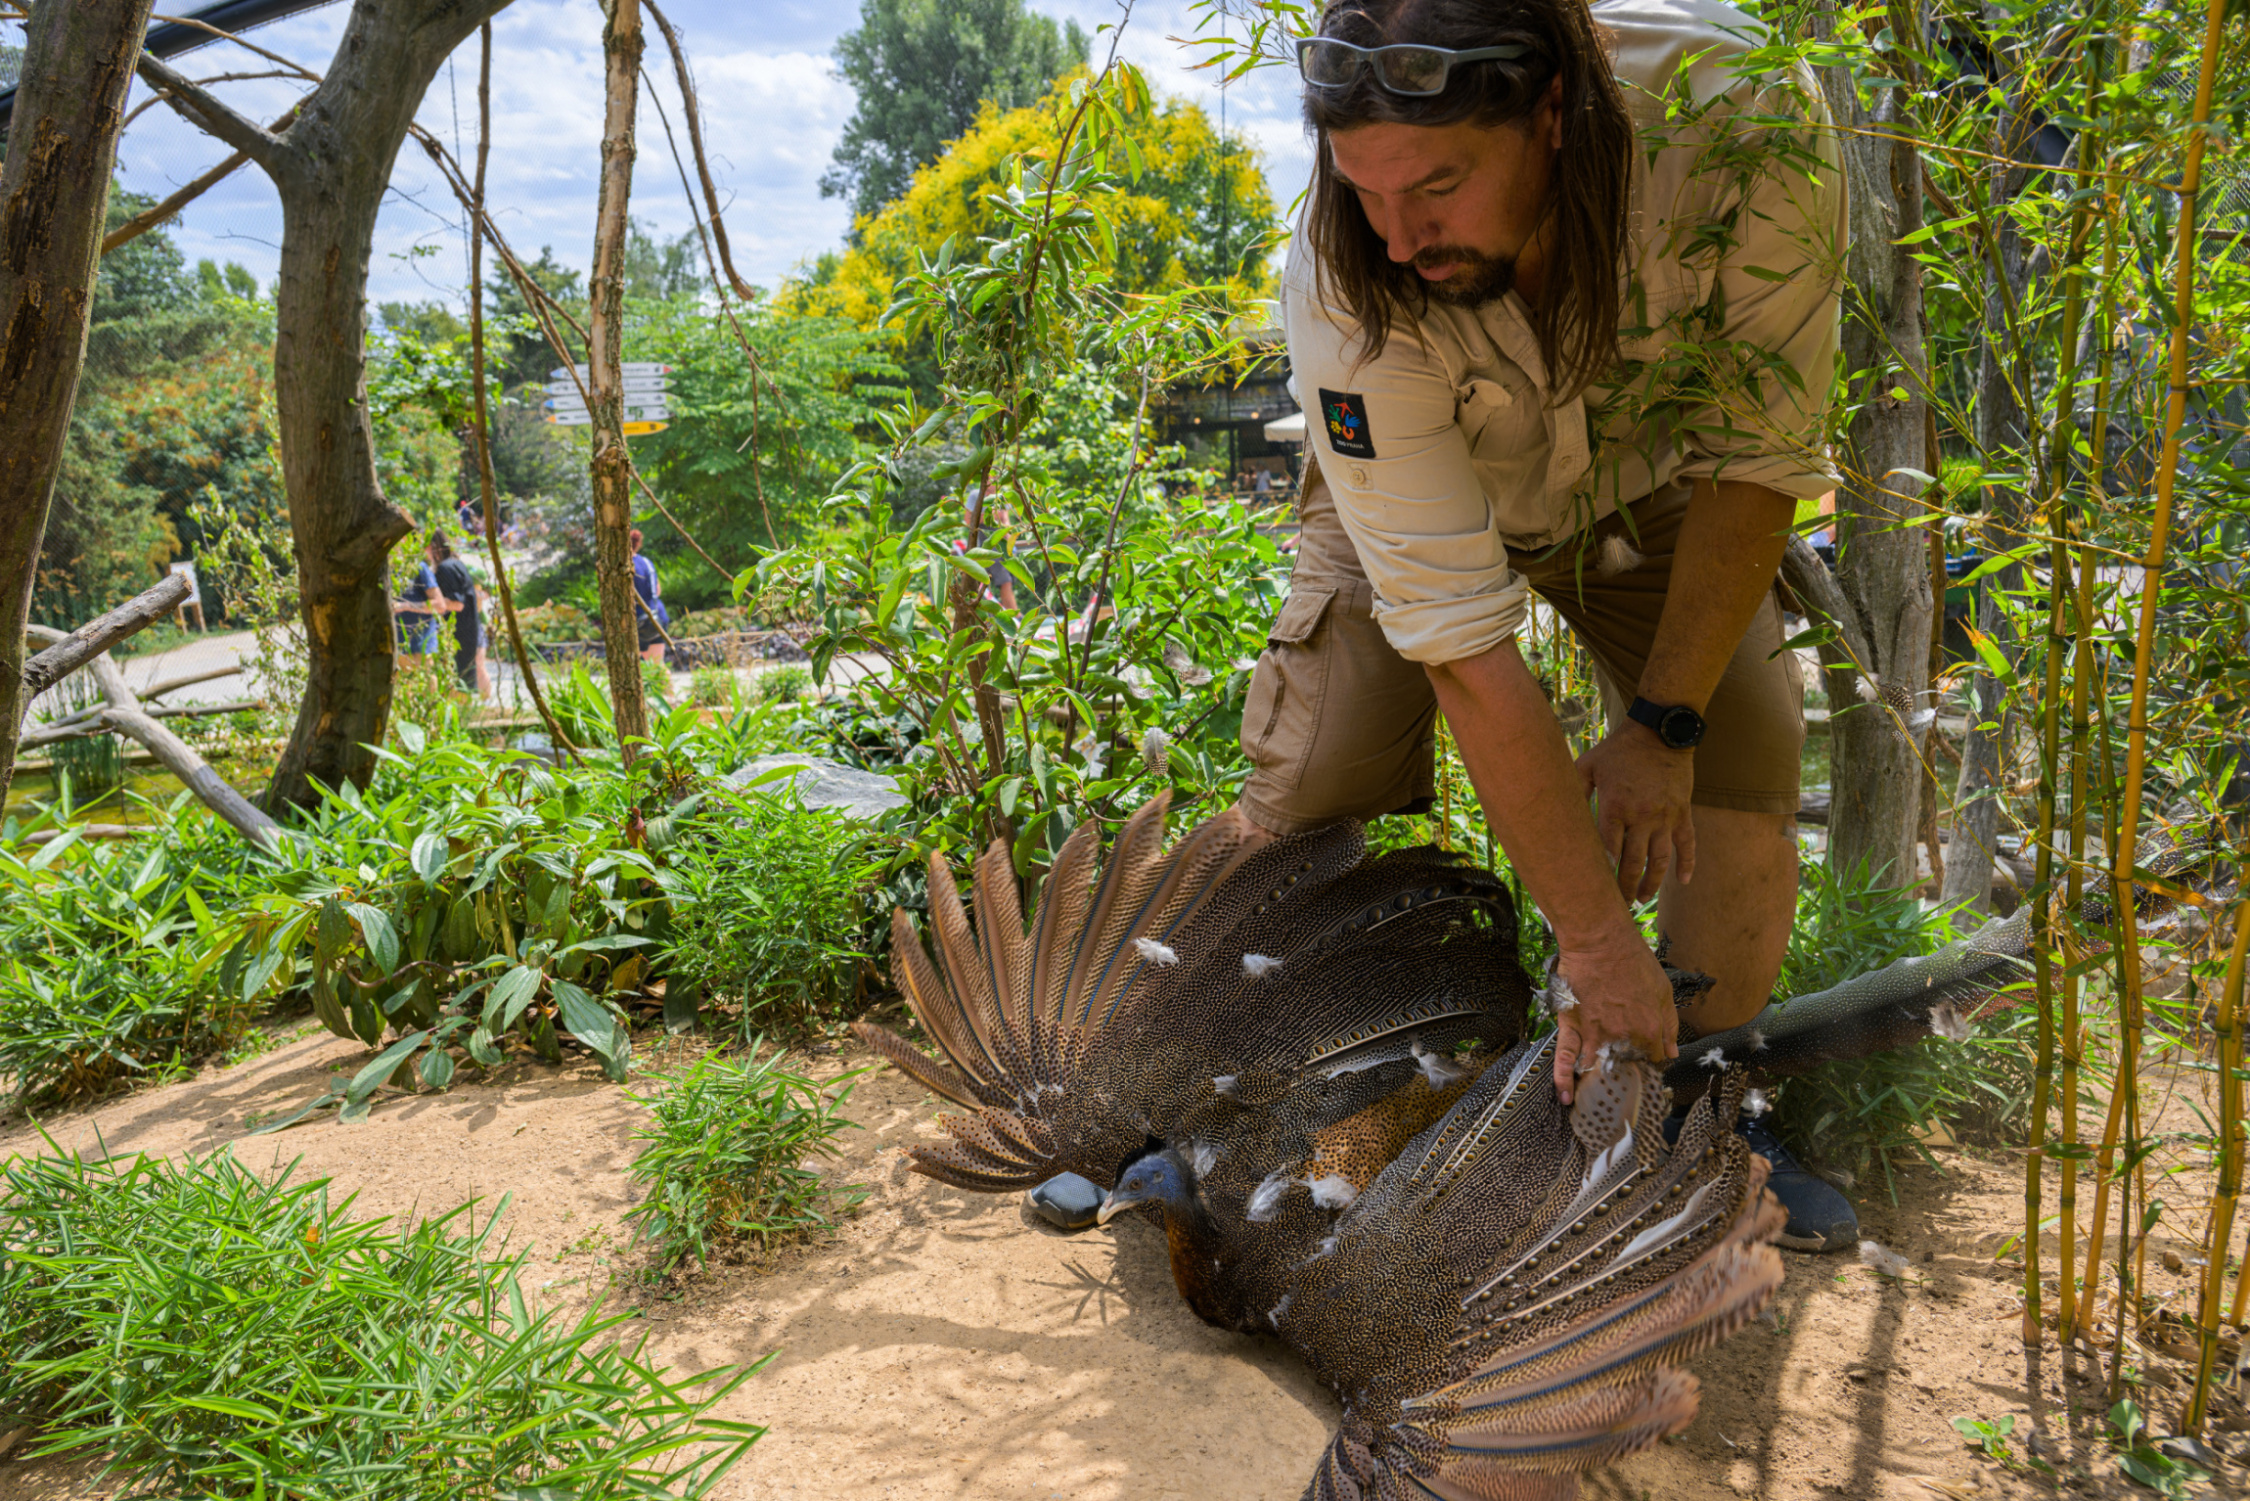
x,y
642,429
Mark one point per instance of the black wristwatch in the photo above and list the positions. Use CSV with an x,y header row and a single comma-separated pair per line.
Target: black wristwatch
x,y
1677,725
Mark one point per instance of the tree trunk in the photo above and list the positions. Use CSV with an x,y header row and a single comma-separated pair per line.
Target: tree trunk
x,y
605,338
54,194
2002,440
331,167
1882,564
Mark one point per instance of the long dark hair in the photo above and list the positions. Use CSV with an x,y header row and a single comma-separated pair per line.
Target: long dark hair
x,y
1575,320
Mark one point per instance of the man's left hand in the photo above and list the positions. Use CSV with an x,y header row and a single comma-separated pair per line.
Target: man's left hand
x,y
1643,788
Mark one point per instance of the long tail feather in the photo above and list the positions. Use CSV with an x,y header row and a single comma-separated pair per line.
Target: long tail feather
x,y
1909,999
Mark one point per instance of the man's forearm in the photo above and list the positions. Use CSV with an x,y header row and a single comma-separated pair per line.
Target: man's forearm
x,y
1532,795
1729,548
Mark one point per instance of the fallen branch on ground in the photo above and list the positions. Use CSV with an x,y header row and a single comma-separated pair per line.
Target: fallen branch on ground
x,y
125,715
97,636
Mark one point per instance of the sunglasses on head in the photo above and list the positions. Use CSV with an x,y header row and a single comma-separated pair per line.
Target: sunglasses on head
x,y
1406,68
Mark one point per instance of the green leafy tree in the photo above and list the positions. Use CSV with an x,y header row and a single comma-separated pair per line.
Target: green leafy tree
x,y
522,356
176,398
747,458
659,270
922,68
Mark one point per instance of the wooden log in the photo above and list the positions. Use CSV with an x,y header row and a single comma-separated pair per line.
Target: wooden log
x,y
98,635
90,831
178,681
126,716
79,726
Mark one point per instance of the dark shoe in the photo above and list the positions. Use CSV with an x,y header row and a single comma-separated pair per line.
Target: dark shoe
x,y
1820,1218
1066,1201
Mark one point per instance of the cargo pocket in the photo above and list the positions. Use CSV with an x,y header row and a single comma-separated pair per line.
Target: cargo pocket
x,y
1281,712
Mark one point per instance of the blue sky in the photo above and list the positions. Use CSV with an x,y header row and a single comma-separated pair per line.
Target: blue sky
x,y
773,111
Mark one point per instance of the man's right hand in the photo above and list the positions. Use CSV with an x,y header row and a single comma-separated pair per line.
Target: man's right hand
x,y
1623,999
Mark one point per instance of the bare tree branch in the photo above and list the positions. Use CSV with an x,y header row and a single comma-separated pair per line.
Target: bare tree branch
x,y
207,110
141,223
125,715
742,289
102,632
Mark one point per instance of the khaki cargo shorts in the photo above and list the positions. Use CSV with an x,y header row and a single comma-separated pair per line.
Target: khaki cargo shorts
x,y
1338,725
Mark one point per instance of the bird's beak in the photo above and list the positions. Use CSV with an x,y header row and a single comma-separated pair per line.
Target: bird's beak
x,y
1112,1207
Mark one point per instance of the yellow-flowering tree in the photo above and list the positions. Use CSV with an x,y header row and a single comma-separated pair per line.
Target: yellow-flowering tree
x,y
1196,212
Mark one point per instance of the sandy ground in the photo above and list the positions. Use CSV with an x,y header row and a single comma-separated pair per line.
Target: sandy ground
x,y
946,1345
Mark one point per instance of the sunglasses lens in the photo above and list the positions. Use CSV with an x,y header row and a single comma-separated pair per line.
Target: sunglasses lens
x,y
1412,70
1329,63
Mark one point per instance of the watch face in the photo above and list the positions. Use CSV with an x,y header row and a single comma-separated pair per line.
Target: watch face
x,y
1682,728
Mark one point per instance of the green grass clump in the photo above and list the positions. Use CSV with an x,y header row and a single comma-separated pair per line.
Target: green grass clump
x,y
215,1335
1873,1112
108,961
711,687
725,1161
773,903
784,685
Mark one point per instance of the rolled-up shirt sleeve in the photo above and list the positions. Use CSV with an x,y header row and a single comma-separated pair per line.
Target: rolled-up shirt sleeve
x,y
1404,487
1777,360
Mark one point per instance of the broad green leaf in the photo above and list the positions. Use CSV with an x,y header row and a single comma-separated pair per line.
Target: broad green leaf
x,y
437,1068
429,858
588,1020
509,997
370,1078
382,938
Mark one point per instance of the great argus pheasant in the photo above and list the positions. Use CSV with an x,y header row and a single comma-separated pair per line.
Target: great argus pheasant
x,y
1311,1065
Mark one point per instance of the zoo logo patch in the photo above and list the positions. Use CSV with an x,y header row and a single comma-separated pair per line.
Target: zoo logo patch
x,y
1346,415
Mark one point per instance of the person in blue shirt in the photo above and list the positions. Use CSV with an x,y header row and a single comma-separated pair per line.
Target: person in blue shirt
x,y
418,628
648,593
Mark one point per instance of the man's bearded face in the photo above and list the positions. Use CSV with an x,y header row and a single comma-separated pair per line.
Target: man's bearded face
x,y
1477,278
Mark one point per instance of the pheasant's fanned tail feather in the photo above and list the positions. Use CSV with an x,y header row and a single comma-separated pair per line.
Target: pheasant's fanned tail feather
x,y
1063,904
1007,953
968,969
932,1075
1573,1291
1016,1012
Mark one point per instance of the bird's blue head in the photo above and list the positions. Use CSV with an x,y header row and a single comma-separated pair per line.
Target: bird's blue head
x,y
1158,1177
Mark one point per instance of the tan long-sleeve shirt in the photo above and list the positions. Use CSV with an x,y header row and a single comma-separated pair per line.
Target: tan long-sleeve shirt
x,y
1734,260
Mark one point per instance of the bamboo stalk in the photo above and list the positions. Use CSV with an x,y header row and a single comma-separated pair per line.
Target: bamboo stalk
x,y
2073,1035
480,429
2152,576
2042,936
2101,1206
2230,1170
2089,150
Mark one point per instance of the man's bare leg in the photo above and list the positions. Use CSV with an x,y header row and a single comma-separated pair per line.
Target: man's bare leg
x,y
1732,921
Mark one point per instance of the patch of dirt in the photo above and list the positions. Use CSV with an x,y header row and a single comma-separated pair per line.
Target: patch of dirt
x,y
948,1345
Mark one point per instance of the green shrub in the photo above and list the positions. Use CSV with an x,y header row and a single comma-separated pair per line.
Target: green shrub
x,y
773,903
218,1336
580,701
711,687
727,1142
467,897
1873,1111
784,685
110,958
656,683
